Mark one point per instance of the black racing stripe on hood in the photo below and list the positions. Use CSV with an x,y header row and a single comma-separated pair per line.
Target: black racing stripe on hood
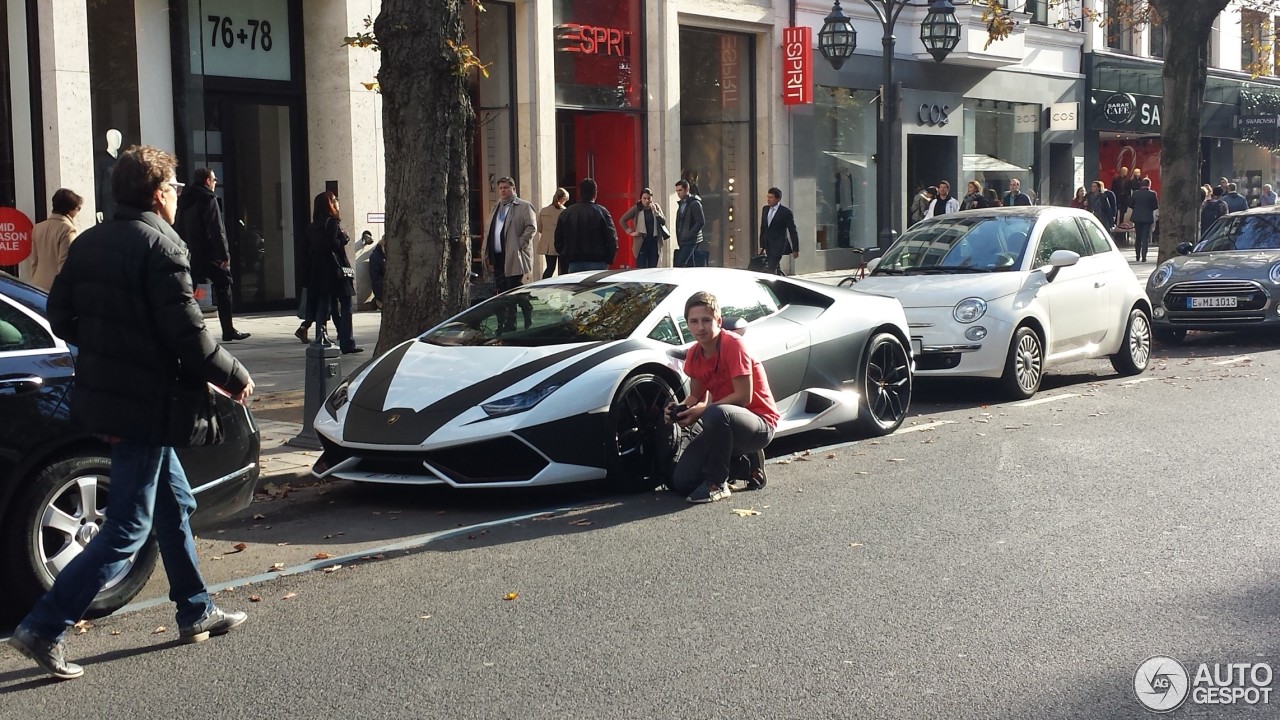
x,y
573,370
364,424
373,389
601,276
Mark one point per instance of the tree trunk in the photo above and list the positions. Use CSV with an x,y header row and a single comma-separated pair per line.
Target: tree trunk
x,y
1188,27
427,125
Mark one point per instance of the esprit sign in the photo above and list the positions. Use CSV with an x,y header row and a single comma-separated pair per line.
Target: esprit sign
x,y
933,114
594,40
797,66
15,236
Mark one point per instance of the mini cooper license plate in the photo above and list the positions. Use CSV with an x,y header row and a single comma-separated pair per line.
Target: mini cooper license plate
x,y
1211,302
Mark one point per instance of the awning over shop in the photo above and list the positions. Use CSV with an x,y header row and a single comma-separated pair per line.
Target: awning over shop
x,y
858,159
987,163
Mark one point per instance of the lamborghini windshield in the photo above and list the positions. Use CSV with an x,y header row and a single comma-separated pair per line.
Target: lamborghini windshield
x,y
955,244
554,315
1243,232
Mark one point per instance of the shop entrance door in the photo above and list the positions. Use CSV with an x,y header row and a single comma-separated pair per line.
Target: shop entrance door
x,y
930,159
604,146
250,145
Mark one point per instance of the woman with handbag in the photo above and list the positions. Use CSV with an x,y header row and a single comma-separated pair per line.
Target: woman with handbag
x,y
648,229
332,280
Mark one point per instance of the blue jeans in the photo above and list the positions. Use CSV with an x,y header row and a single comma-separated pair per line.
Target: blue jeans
x,y
585,266
149,491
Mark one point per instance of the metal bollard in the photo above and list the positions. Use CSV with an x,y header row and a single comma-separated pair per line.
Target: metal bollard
x,y
324,372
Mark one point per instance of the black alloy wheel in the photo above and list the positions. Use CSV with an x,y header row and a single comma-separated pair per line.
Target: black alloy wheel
x,y
886,387
644,450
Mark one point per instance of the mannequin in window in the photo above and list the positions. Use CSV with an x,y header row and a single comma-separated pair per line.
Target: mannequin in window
x,y
104,162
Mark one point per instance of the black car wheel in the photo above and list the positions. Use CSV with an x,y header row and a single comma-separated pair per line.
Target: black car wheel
x,y
1135,350
1170,336
645,444
1024,366
886,387
53,522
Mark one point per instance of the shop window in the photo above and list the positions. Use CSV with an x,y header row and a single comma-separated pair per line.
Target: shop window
x,y
844,172
1038,10
597,54
717,138
1119,26
8,187
1155,36
1254,38
493,153
113,89
1000,145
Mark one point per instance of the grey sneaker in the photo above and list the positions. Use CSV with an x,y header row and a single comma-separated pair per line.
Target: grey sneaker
x,y
47,654
217,622
707,492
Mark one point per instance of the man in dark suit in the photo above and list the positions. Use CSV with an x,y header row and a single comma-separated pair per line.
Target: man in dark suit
x,y
1144,203
778,234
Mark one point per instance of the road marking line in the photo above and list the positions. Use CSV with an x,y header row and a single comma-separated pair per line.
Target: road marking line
x,y
1048,399
1139,380
1242,358
926,426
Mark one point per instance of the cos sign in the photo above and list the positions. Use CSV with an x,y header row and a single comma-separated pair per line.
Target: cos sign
x,y
933,114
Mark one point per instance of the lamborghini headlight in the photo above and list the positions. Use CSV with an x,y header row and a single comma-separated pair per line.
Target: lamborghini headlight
x,y
337,399
519,402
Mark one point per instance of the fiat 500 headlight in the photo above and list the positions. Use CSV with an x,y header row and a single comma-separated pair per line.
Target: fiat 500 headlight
x,y
969,309
1162,274
1275,274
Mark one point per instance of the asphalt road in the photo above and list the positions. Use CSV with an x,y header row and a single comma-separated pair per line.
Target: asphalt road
x,y
992,560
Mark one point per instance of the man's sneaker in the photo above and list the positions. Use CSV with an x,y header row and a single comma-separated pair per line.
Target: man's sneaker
x,y
757,478
217,622
47,654
707,492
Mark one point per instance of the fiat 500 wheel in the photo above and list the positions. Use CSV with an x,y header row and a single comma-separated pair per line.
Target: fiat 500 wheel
x,y
1024,367
1135,351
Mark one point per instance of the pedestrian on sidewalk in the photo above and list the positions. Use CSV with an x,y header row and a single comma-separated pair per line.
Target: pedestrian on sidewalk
x,y
52,238
974,199
1145,204
1212,209
201,227
1268,196
547,217
729,392
943,203
1015,196
690,220
508,248
647,226
146,361
778,234
1234,200
1102,203
332,278
586,237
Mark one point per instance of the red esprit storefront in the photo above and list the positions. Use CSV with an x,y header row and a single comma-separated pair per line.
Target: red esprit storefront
x,y
600,104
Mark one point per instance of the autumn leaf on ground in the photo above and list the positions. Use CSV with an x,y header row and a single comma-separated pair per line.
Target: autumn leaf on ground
x,y
282,544
160,630
861,472
217,557
255,598
115,632
332,568
276,567
238,547
510,596
855,545
743,512
334,535
321,556
831,456
259,516
289,596
83,626
897,460
424,617
581,522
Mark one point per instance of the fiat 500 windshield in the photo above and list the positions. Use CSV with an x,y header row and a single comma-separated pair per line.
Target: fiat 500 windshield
x,y
965,244
553,315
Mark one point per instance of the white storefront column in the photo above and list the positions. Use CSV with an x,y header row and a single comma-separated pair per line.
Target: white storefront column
x,y
344,120
535,110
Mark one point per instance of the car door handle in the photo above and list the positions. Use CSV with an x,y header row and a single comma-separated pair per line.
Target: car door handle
x,y
20,385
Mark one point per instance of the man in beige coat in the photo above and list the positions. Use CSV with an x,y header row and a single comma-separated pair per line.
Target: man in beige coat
x,y
508,244
51,239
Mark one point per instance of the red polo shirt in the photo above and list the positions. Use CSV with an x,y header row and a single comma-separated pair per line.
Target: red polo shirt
x,y
716,373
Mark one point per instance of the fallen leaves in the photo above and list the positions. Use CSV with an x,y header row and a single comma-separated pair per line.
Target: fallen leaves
x,y
83,626
237,548
511,596
321,556
255,598
581,522
331,569
745,512
276,567
160,630
289,596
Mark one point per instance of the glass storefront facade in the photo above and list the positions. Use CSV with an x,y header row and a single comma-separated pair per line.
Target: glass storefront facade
x,y
717,138
113,78
1000,141
8,188
493,151
844,138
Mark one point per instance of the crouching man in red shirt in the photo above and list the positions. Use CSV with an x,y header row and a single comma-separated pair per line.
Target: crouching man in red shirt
x,y
730,393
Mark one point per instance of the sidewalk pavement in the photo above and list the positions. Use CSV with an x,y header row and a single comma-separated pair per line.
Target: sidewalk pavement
x,y
277,362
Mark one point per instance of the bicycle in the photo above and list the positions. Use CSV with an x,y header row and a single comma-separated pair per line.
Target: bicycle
x,y
860,269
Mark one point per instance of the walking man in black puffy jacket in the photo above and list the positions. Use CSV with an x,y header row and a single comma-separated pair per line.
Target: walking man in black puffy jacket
x,y
146,360
201,227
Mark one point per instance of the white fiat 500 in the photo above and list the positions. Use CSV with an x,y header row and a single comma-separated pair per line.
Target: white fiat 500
x,y
1010,292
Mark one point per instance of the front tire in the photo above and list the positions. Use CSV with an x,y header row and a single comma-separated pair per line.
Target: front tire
x,y
53,521
1135,350
1024,366
886,387
643,451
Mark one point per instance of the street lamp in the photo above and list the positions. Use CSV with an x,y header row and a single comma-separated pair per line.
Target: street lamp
x,y
940,34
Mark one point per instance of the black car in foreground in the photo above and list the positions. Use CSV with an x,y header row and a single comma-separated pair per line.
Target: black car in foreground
x,y
55,479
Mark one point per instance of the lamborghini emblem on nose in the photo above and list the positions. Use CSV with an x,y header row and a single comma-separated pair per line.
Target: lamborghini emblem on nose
x,y
393,418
